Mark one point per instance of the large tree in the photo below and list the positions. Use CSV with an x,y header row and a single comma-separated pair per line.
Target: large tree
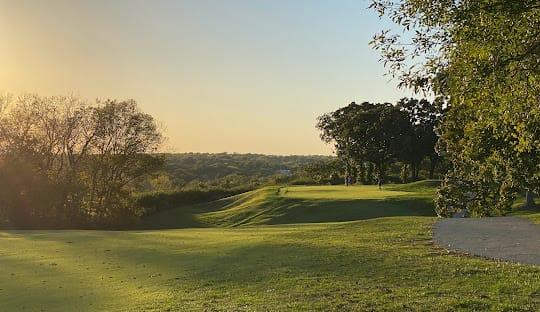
x,y
366,132
482,59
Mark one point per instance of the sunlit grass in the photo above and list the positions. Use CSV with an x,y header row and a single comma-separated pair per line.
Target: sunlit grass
x,y
303,204
336,192
376,263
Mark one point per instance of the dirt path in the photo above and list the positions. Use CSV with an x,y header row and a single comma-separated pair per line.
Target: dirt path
x,y
506,238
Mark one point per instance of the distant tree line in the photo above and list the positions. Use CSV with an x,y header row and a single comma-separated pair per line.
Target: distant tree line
x,y
65,162
223,171
188,178
206,170
370,138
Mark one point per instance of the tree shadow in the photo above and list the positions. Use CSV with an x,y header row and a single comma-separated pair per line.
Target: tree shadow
x,y
292,210
317,211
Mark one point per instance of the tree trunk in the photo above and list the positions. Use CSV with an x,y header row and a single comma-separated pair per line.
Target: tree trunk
x,y
380,177
529,200
404,174
415,169
347,173
432,165
361,177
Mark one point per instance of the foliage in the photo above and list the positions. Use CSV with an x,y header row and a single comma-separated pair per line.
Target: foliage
x,y
66,162
481,57
324,171
420,141
154,202
368,137
370,177
204,171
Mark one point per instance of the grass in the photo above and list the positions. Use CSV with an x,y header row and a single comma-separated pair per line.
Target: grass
x,y
264,251
301,204
533,214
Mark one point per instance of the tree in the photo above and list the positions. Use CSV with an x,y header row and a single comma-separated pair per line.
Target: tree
x,y
379,133
481,59
336,128
323,171
424,117
64,161
124,140
365,132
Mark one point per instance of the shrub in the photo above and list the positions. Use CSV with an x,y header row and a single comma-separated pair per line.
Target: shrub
x,y
150,203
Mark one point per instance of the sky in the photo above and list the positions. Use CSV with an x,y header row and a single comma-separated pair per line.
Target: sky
x,y
245,76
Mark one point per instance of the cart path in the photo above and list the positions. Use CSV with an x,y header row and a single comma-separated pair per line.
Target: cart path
x,y
510,239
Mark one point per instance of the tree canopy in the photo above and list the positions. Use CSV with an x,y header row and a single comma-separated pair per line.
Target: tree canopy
x,y
67,162
482,58
377,134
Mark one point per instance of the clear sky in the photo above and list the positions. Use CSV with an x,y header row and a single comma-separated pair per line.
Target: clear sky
x,y
221,75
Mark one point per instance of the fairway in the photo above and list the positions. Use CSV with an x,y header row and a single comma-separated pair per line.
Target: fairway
x,y
303,204
244,263
337,192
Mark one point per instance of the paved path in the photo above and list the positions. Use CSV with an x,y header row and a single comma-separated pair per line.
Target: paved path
x,y
505,238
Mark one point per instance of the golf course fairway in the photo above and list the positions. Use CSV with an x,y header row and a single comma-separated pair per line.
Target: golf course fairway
x,y
326,248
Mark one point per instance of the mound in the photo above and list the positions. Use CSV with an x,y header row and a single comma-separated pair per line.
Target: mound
x,y
301,204
418,186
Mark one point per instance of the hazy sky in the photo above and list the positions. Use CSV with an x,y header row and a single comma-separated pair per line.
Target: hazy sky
x,y
222,76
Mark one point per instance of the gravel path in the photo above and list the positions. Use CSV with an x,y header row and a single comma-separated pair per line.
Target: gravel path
x,y
505,238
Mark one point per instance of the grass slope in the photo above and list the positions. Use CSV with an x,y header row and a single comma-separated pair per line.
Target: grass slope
x,y
381,264
302,204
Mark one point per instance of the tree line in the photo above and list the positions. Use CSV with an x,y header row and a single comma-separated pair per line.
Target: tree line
x,y
226,170
188,178
369,137
66,162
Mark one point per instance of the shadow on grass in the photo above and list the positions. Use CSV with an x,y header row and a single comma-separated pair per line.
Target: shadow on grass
x,y
290,254
317,211
381,261
281,210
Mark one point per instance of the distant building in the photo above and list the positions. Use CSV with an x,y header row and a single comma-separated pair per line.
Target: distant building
x,y
285,172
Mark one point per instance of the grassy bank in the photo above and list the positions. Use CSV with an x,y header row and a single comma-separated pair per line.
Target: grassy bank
x,y
279,249
302,204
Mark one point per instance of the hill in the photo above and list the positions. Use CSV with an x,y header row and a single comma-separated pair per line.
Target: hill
x,y
302,204
273,249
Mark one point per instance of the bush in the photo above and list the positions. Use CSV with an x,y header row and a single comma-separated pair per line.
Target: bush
x,y
150,203
303,181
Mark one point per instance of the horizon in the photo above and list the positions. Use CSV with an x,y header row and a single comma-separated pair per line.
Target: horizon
x,y
248,153
218,76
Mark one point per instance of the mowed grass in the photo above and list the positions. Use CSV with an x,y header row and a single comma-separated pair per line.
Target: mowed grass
x,y
340,192
375,263
303,204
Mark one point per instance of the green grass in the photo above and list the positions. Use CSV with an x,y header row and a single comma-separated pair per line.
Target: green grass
x,y
301,204
533,214
340,192
267,250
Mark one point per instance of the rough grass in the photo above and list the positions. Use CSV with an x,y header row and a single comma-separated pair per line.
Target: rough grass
x,y
382,261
